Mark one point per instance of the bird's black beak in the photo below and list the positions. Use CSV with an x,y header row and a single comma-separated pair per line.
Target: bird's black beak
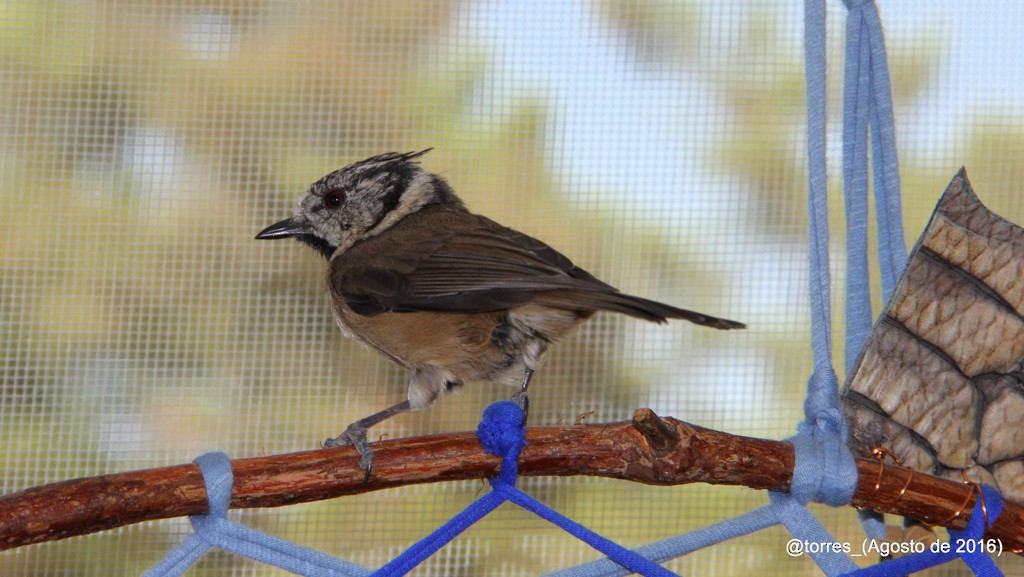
x,y
287,228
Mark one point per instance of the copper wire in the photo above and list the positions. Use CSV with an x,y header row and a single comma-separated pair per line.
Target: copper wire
x,y
975,487
881,453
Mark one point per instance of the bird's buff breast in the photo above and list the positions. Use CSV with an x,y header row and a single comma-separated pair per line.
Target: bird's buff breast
x,y
461,343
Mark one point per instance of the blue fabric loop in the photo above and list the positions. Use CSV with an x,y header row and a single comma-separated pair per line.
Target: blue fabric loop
x,y
817,175
824,472
868,121
217,474
868,107
856,101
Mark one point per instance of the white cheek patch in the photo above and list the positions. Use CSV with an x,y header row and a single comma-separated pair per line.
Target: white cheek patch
x,y
420,192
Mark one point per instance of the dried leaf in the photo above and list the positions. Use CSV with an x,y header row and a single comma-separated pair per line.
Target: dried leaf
x,y
939,382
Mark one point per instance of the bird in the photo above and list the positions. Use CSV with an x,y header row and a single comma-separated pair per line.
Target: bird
x,y
452,296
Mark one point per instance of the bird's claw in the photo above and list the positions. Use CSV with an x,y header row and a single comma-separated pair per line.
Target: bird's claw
x,y
523,400
355,436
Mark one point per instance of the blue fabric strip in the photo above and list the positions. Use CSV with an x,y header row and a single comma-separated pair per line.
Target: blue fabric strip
x,y
680,545
817,197
430,544
624,557
867,102
892,249
856,119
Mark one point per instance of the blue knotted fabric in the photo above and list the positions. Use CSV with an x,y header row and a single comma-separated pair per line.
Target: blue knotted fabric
x,y
502,432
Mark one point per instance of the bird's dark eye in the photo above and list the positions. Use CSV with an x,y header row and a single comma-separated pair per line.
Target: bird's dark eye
x,y
333,199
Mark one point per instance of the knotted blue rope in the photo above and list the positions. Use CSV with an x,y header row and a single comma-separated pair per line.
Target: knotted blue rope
x,y
502,432
823,422
825,469
214,530
959,546
867,104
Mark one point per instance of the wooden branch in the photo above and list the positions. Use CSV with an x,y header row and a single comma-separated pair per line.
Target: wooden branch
x,y
648,450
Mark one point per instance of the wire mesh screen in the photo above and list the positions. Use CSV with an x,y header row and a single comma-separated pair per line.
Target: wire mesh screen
x,y
659,145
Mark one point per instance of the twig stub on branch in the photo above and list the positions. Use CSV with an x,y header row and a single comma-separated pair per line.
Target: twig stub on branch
x,y
649,450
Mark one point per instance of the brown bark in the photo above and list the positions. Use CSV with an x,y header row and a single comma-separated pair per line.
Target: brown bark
x,y
648,450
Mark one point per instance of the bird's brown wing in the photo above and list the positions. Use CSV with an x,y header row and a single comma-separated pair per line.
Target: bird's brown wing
x,y
469,263
461,263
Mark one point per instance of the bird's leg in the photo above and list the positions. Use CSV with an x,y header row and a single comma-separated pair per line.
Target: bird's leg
x,y
526,381
355,434
520,398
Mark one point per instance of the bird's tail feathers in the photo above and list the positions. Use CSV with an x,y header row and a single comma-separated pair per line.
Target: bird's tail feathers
x,y
633,306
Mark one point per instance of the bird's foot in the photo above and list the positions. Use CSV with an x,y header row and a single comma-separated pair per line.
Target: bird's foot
x,y
520,397
523,400
355,436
